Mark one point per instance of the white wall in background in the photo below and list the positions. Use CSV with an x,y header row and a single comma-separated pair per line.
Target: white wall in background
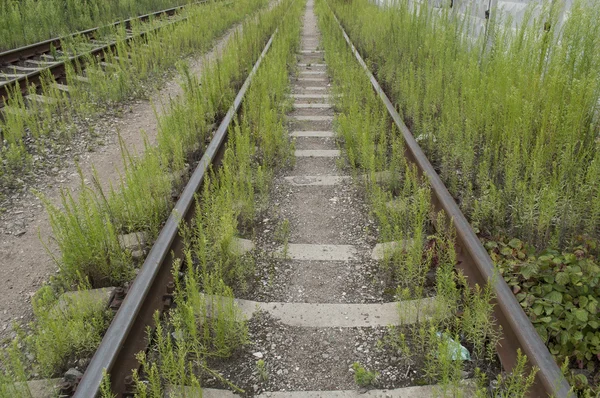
x,y
476,9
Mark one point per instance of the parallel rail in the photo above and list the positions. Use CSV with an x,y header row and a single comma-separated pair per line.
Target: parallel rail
x,y
26,76
153,286
517,330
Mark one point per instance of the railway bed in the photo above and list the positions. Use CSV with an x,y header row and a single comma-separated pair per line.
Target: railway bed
x,y
320,250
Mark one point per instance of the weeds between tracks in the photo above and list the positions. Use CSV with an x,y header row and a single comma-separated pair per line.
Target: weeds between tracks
x,y
87,228
424,257
513,131
204,319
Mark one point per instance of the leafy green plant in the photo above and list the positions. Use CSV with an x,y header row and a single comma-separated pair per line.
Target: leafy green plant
x,y
362,376
559,291
484,121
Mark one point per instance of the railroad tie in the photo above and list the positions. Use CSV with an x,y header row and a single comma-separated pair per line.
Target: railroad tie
x,y
323,299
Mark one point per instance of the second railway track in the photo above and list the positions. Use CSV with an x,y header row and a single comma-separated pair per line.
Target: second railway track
x,y
25,66
328,280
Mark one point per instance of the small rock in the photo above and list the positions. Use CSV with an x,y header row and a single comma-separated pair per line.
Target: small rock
x,y
133,241
137,255
258,355
73,374
83,363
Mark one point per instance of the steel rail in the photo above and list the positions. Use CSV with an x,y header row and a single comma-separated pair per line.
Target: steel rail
x,y
126,334
517,330
58,69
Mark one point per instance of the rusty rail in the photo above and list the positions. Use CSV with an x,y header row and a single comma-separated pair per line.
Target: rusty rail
x,y
151,290
517,330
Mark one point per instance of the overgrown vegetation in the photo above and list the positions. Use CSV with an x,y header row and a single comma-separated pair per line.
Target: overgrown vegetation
x,y
205,319
513,130
511,123
422,259
25,22
87,228
31,127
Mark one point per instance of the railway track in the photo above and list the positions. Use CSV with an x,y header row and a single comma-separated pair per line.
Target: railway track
x,y
25,66
474,261
327,256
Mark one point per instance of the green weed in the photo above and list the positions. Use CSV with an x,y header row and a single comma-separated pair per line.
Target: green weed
x,y
87,229
362,376
261,368
513,129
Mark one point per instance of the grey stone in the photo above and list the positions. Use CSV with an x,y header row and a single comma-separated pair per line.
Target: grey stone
x,y
95,298
317,134
346,315
318,153
133,241
404,392
313,65
324,180
310,96
313,72
313,118
73,374
239,246
310,252
312,106
380,177
387,249
44,388
138,255
315,88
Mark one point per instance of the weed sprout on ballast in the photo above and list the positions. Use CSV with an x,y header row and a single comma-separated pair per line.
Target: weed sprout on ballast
x,y
513,130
